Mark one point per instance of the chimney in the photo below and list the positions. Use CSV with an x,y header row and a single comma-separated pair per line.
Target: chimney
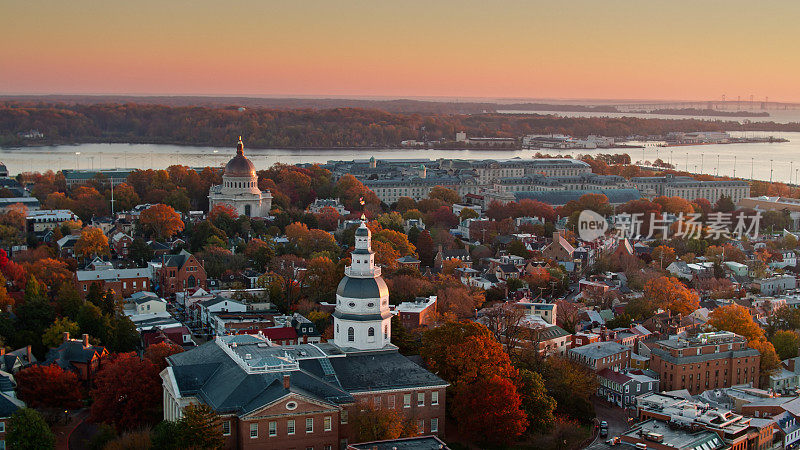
x,y
30,354
66,336
791,364
85,340
286,383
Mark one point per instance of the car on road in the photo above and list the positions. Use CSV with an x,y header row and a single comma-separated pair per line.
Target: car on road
x,y
613,441
603,429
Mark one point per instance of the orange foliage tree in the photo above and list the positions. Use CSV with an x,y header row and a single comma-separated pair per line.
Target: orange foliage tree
x,y
670,294
161,221
374,423
51,272
92,243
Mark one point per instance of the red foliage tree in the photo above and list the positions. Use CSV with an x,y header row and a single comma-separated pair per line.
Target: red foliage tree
x,y
127,392
488,411
48,387
158,353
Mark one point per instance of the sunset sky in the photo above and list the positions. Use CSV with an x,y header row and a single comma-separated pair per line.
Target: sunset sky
x,y
568,49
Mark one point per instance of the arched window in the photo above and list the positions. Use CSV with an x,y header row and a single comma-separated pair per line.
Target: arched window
x,y
371,334
351,334
191,281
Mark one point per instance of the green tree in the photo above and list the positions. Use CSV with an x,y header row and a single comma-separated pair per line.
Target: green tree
x,y
53,335
536,402
27,430
786,343
139,252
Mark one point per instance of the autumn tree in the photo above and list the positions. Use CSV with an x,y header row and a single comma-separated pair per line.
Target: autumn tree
x,y
125,197
373,423
504,320
444,194
158,354
456,299
670,294
786,343
124,401
51,272
464,352
48,387
736,319
321,279
160,221
425,248
489,411
201,428
92,243
663,256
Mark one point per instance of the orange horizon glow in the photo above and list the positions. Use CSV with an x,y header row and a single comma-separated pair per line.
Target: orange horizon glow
x,y
579,49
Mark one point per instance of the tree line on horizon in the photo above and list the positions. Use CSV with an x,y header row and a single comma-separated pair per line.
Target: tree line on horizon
x,y
307,128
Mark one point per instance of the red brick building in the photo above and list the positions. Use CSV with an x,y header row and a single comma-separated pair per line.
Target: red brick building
x,y
419,313
120,243
302,396
181,272
124,282
707,361
79,356
602,355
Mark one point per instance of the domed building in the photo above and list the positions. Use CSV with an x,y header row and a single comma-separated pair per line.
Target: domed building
x,y
239,188
362,319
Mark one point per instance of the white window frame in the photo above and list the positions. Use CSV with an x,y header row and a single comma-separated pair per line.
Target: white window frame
x,y
435,425
390,401
254,428
327,423
343,416
420,399
434,398
406,400
309,424
226,428
290,427
272,428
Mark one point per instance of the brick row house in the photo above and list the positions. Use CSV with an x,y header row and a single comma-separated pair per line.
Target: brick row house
x,y
179,273
306,395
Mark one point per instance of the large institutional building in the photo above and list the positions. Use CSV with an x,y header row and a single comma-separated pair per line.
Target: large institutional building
x,y
709,361
306,396
239,188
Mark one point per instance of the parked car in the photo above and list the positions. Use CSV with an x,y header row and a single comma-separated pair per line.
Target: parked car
x,y
603,429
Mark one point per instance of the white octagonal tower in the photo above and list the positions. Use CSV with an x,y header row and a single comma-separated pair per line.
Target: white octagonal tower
x,y
362,320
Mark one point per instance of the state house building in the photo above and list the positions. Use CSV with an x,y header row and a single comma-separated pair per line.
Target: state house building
x,y
303,396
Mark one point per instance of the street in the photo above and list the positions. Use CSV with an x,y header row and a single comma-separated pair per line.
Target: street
x,y
616,422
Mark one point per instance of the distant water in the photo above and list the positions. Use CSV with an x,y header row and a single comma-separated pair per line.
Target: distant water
x,y
777,116
701,158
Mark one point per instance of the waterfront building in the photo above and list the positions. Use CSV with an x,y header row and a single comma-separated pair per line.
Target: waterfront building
x,y
690,189
239,188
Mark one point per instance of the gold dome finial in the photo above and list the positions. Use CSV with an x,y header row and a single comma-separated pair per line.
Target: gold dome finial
x,y
240,147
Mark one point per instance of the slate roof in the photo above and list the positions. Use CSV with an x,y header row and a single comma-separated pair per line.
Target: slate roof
x,y
413,443
600,349
211,374
72,351
9,405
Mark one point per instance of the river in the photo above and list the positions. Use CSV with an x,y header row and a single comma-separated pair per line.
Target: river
x,y
776,161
